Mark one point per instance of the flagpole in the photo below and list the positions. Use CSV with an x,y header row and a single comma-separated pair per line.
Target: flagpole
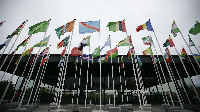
x,y
31,70
13,43
167,66
11,76
100,66
188,74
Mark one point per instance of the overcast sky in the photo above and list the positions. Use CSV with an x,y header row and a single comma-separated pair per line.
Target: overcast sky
x,y
135,13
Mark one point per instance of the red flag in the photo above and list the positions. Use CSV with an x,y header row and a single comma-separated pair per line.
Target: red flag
x,y
76,52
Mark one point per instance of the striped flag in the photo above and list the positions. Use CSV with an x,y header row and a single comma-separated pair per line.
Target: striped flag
x,y
44,52
5,43
45,59
42,43
117,26
17,30
87,57
126,42
89,27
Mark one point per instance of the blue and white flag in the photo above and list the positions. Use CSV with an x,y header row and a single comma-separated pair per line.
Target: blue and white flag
x,y
89,27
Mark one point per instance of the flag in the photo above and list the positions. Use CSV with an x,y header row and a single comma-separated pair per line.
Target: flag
x,y
61,57
126,42
191,43
117,26
146,25
169,42
113,52
76,61
39,27
167,58
42,43
16,32
154,60
44,52
84,42
167,52
23,43
76,52
195,29
2,23
197,57
107,43
89,27
122,62
87,57
147,51
11,55
45,59
96,52
174,29
183,54
27,52
68,27
5,43
33,58
103,59
139,61
147,40
64,42
131,51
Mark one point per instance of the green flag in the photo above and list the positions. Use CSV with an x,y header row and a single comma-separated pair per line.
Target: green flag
x,y
195,29
39,27
96,52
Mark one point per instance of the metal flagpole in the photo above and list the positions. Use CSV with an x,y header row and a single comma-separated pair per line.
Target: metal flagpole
x,y
100,66
11,76
31,69
14,42
195,45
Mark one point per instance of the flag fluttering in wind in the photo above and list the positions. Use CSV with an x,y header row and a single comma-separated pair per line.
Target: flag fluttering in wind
x,y
147,51
169,42
122,62
45,59
64,42
26,53
174,29
68,27
195,29
147,40
89,27
183,54
39,27
44,52
23,43
197,57
167,58
131,51
84,42
42,43
126,42
1,23
76,52
191,43
167,52
16,32
154,60
96,52
103,59
139,61
144,26
5,43
113,52
61,57
117,26
87,57
107,43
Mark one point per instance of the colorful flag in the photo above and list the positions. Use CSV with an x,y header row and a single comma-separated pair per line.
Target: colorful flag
x,y
2,23
126,42
39,27
84,42
23,43
17,30
146,25
195,29
96,52
113,52
42,43
64,42
169,42
139,61
76,52
76,61
131,51
44,52
197,57
147,51
183,54
33,58
167,52
5,43
174,29
45,59
27,52
147,40
68,27
154,60
103,59
117,26
122,62
89,27
191,43
87,57
61,57
167,58
107,43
